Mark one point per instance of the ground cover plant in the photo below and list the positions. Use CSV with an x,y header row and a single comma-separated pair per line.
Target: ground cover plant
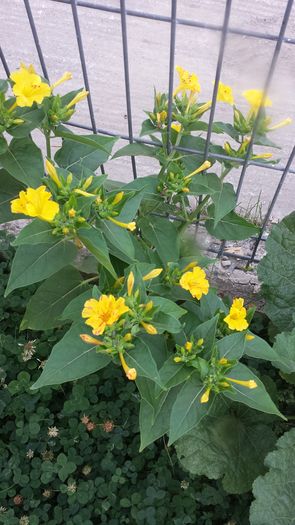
x,y
124,281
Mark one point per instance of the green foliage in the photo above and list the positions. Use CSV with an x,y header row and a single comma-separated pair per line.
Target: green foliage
x,y
276,271
275,491
85,476
231,446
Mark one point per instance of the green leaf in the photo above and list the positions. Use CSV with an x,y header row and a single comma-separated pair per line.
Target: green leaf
x,y
277,272
119,241
284,347
141,358
71,359
274,492
205,184
260,349
232,346
73,310
38,263
187,411
230,445
230,227
224,202
136,149
256,398
95,242
51,298
163,235
36,232
148,128
152,428
173,374
23,160
84,151
9,190
3,145
32,119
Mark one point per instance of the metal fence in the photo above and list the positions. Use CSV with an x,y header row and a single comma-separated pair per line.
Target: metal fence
x,y
173,20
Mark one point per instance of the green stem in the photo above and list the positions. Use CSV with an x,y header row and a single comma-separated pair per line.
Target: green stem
x,y
48,147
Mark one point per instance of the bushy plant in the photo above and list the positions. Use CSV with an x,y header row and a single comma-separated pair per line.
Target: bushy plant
x,y
116,261
70,454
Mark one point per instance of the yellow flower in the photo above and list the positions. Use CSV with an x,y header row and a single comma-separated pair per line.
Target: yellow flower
x,y
72,213
80,96
161,117
248,384
128,337
205,396
148,306
188,346
223,361
225,94
195,282
281,124
236,319
254,98
149,328
249,337
205,166
66,76
52,173
131,373
87,182
130,283
118,198
103,312
128,226
189,266
90,340
176,127
153,274
177,359
36,203
200,342
28,86
187,82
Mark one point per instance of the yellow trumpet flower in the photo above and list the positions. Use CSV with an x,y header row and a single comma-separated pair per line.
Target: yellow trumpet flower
x,y
248,384
80,96
52,173
127,226
149,328
203,167
66,76
130,283
205,396
131,373
152,274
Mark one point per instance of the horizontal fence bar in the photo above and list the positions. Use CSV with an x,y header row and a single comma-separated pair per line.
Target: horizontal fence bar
x,y
217,156
180,21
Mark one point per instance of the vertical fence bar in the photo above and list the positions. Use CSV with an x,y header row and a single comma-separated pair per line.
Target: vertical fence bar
x,y
84,67
265,90
171,70
258,116
4,63
216,81
127,80
218,73
36,38
274,199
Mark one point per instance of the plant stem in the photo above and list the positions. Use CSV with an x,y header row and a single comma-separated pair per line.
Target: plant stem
x,y
48,147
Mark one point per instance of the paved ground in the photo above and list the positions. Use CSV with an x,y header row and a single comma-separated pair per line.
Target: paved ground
x,y
245,65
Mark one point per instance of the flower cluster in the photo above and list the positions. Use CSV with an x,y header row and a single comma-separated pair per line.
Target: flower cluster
x,y
119,319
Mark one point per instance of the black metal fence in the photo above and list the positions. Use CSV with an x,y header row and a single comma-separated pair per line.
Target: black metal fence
x,y
173,20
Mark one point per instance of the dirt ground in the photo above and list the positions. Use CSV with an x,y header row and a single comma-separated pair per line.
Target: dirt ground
x,y
245,65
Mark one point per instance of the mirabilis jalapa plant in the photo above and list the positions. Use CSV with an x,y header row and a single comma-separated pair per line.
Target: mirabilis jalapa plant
x,y
141,298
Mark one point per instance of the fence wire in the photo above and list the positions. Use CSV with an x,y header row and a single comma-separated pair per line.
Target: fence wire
x,y
173,20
